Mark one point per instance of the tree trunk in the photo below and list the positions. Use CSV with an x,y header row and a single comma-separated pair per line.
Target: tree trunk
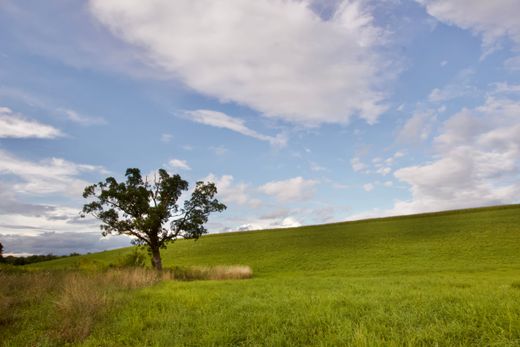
x,y
156,259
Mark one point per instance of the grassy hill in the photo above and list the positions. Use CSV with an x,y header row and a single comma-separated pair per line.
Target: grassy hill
x,y
448,279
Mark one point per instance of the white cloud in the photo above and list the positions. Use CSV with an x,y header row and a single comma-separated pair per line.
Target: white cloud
x,y
13,125
477,161
56,180
166,138
229,192
179,164
222,120
298,67
383,171
274,223
493,20
293,189
357,164
76,117
53,175
368,187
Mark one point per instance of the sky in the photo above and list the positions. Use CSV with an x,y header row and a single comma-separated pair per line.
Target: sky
x,y
301,112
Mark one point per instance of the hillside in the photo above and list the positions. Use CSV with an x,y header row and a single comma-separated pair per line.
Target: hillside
x,y
462,240
449,278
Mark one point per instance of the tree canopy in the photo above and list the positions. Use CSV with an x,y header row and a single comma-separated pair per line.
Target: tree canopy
x,y
148,209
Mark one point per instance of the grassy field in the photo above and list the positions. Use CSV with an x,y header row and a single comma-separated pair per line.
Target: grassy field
x,y
444,279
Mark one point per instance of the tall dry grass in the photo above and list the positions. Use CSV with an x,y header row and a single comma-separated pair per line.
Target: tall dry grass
x,y
85,296
74,300
78,297
219,272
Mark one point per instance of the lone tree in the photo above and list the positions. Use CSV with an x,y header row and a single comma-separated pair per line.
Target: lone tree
x,y
149,211
1,253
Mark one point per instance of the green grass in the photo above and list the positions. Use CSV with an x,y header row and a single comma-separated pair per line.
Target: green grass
x,y
443,279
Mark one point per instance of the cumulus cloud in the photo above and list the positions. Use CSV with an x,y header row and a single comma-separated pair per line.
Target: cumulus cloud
x,y
368,187
230,192
357,164
222,120
477,161
492,20
277,57
179,164
293,189
14,125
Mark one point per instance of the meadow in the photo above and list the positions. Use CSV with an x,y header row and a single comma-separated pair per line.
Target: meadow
x,y
441,279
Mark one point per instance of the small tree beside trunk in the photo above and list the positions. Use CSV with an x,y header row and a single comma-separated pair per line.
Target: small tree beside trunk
x,y
149,211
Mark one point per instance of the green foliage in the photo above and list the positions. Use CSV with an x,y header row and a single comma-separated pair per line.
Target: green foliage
x,y
445,279
30,259
136,258
141,209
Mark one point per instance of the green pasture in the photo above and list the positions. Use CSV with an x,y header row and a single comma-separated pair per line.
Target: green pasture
x,y
442,279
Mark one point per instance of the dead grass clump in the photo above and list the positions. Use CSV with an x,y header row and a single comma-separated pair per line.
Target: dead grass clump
x,y
220,272
81,301
131,278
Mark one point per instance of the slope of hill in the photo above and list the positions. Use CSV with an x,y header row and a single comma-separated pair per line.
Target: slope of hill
x,y
449,278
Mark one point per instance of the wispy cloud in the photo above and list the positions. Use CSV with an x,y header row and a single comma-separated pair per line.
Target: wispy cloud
x,y
14,125
222,120
76,117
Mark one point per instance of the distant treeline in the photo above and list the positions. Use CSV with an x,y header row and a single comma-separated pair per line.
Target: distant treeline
x,y
32,258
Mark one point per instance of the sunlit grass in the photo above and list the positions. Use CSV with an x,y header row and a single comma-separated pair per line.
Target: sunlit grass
x,y
449,279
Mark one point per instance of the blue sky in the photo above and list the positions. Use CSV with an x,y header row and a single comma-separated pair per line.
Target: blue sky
x,y
302,112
